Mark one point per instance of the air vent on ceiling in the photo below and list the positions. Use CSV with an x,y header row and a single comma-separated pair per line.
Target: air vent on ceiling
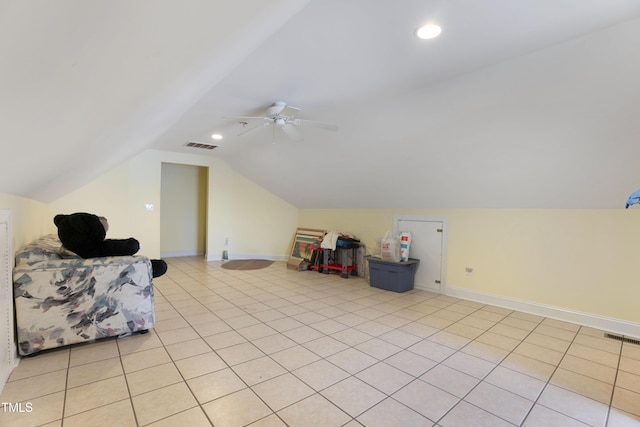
x,y
622,338
201,145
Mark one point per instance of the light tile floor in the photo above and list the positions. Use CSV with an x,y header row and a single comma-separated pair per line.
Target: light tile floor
x,y
277,347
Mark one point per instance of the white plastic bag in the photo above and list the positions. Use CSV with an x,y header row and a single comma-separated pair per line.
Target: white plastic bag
x,y
390,248
405,244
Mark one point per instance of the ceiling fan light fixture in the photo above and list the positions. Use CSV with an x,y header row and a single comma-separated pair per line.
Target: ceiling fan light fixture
x,y
280,121
428,31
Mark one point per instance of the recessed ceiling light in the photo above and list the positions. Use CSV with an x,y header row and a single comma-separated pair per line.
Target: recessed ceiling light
x,y
216,136
428,31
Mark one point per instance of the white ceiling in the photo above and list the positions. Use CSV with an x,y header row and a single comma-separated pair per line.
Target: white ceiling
x,y
532,103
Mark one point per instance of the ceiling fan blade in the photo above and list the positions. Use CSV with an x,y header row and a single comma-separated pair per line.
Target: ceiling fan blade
x,y
281,109
289,110
311,123
252,128
292,132
245,118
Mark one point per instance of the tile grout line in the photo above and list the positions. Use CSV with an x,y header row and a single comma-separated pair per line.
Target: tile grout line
x,y
557,366
383,314
318,392
126,381
462,399
511,352
66,388
535,402
613,389
401,349
165,297
247,386
439,363
276,362
184,380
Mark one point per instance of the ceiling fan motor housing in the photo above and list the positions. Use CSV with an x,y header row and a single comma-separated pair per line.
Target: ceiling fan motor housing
x,y
276,109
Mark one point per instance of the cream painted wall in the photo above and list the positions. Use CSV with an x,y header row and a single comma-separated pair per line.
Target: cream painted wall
x,y
582,260
120,195
235,205
29,219
263,224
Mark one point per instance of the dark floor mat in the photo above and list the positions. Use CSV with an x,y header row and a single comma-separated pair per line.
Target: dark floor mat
x,y
246,264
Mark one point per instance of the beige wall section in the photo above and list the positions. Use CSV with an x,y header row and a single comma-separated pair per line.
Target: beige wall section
x,y
263,224
582,260
29,219
183,215
235,205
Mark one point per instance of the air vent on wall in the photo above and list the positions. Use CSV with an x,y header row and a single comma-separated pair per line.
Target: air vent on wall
x,y
201,145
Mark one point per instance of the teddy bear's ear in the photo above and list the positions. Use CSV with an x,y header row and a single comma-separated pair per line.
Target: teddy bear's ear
x,y
58,218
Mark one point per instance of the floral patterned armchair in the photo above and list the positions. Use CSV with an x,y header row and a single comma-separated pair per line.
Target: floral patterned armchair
x,y
62,299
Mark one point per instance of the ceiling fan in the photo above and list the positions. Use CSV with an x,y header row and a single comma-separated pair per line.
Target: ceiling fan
x,y
281,116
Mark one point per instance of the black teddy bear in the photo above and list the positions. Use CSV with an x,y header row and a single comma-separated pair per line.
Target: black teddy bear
x,y
84,234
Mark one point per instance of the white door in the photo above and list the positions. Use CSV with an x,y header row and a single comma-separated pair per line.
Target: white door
x,y
428,244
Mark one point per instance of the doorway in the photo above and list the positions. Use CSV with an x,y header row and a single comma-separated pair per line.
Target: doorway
x,y
183,217
429,245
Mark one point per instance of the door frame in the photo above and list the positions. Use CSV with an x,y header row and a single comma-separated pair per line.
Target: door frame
x,y
7,301
204,210
445,239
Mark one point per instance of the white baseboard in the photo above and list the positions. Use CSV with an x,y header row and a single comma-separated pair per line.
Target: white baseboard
x,y
218,257
172,254
609,324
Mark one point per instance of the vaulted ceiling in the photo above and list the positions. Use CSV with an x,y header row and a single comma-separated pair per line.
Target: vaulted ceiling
x,y
527,104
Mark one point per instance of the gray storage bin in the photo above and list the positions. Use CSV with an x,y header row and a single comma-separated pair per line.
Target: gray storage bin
x,y
392,276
